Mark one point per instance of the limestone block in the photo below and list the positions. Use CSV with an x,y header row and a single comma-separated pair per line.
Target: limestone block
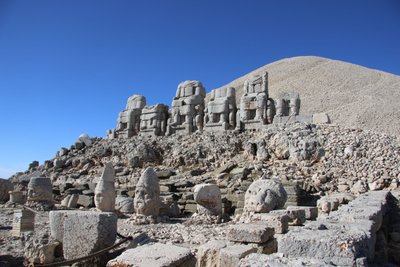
x,y
311,213
296,216
279,222
209,253
56,218
264,196
208,198
156,255
342,243
320,118
92,230
250,233
231,255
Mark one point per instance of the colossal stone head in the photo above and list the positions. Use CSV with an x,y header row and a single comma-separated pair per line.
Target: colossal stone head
x,y
147,194
264,195
40,189
104,197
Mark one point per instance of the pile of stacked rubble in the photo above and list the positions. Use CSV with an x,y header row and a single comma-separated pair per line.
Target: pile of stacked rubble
x,y
249,180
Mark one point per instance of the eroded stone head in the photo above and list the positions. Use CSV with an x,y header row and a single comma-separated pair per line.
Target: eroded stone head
x,y
147,194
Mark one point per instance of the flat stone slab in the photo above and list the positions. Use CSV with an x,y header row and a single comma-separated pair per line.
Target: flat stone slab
x,y
86,232
156,255
250,233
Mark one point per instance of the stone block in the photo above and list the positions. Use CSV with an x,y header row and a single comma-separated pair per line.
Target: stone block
x,y
341,243
208,254
320,118
231,255
56,218
296,216
280,222
270,247
156,255
250,233
311,213
92,230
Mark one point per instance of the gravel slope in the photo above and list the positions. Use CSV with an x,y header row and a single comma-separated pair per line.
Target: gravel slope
x,y
354,96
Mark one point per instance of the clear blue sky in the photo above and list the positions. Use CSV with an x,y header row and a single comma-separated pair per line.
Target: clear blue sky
x,y
67,67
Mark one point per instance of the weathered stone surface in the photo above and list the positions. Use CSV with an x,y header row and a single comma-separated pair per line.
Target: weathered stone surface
x,y
280,222
321,118
311,213
296,216
147,194
128,123
105,190
208,198
124,204
208,254
231,255
327,204
84,138
278,260
56,219
220,113
264,196
187,109
156,255
153,120
5,187
250,233
92,230
40,189
255,108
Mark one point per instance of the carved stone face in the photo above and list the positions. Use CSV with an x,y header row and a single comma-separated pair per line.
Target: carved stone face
x,y
264,196
104,197
146,201
40,189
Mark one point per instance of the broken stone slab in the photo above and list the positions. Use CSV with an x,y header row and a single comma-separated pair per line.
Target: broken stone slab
x,y
156,255
231,255
208,254
311,213
92,230
250,233
280,222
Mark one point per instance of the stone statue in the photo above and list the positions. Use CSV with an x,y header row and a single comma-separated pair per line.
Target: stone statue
x,y
263,196
253,104
154,120
187,109
147,194
104,197
128,123
40,189
288,104
221,110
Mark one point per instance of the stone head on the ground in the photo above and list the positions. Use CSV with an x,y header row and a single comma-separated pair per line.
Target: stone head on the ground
x,y
40,189
147,194
105,190
208,199
264,195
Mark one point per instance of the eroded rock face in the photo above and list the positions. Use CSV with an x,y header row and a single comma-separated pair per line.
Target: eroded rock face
x,y
264,196
5,187
105,190
208,199
147,194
